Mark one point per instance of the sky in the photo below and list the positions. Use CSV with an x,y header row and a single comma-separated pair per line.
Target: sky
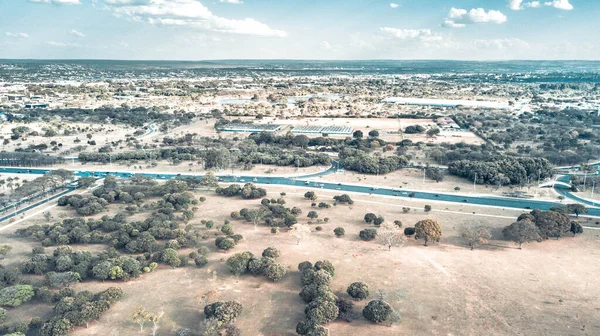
x,y
300,29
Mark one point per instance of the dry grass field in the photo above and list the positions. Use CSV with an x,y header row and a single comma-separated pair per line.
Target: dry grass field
x,y
444,289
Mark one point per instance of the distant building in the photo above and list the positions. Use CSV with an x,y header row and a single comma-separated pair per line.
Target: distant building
x,y
15,97
36,105
447,123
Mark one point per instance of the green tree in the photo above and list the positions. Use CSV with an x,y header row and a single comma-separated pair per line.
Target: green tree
x,y
171,257
475,235
428,230
522,231
358,290
377,311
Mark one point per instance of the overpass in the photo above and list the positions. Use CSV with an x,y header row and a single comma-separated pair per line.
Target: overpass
x,y
555,184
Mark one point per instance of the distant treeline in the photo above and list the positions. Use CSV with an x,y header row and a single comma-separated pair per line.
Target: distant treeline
x,y
134,116
19,159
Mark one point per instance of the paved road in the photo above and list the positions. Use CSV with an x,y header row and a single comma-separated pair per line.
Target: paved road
x,y
309,182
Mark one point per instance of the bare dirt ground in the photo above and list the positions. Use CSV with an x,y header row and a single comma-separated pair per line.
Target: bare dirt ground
x,y
444,289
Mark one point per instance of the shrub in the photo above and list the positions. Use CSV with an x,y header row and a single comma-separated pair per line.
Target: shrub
x,y
237,238
409,231
304,265
16,295
271,252
321,277
307,276
339,231
343,199
405,210
2,314
325,265
209,224
274,230
398,224
378,221
223,312
225,243
171,257
321,311
227,229
275,272
319,228
358,290
368,234
427,208
200,261
203,250
238,263
257,266
377,311
370,217
313,291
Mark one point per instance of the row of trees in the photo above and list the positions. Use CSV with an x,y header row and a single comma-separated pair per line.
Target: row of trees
x,y
539,225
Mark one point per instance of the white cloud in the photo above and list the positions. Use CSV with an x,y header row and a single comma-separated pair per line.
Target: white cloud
x,y
394,5
188,13
77,33
519,5
62,44
425,35
235,2
560,4
58,2
16,35
325,45
458,18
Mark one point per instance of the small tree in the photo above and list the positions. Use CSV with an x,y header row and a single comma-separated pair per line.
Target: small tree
x,y
310,195
370,217
339,231
377,311
427,208
390,235
475,235
428,230
577,209
368,234
358,290
576,228
257,216
209,180
522,231
155,319
47,216
312,214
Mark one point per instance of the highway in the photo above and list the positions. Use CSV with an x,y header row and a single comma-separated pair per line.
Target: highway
x,y
308,181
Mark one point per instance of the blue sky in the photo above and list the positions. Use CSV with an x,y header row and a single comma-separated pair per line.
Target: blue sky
x,y
294,29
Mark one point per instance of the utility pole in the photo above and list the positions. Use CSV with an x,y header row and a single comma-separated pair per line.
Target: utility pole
x,y
475,181
423,175
593,186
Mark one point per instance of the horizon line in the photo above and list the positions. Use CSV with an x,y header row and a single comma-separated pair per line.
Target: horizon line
x,y
300,60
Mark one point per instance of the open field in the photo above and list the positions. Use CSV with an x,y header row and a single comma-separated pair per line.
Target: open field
x,y
444,289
